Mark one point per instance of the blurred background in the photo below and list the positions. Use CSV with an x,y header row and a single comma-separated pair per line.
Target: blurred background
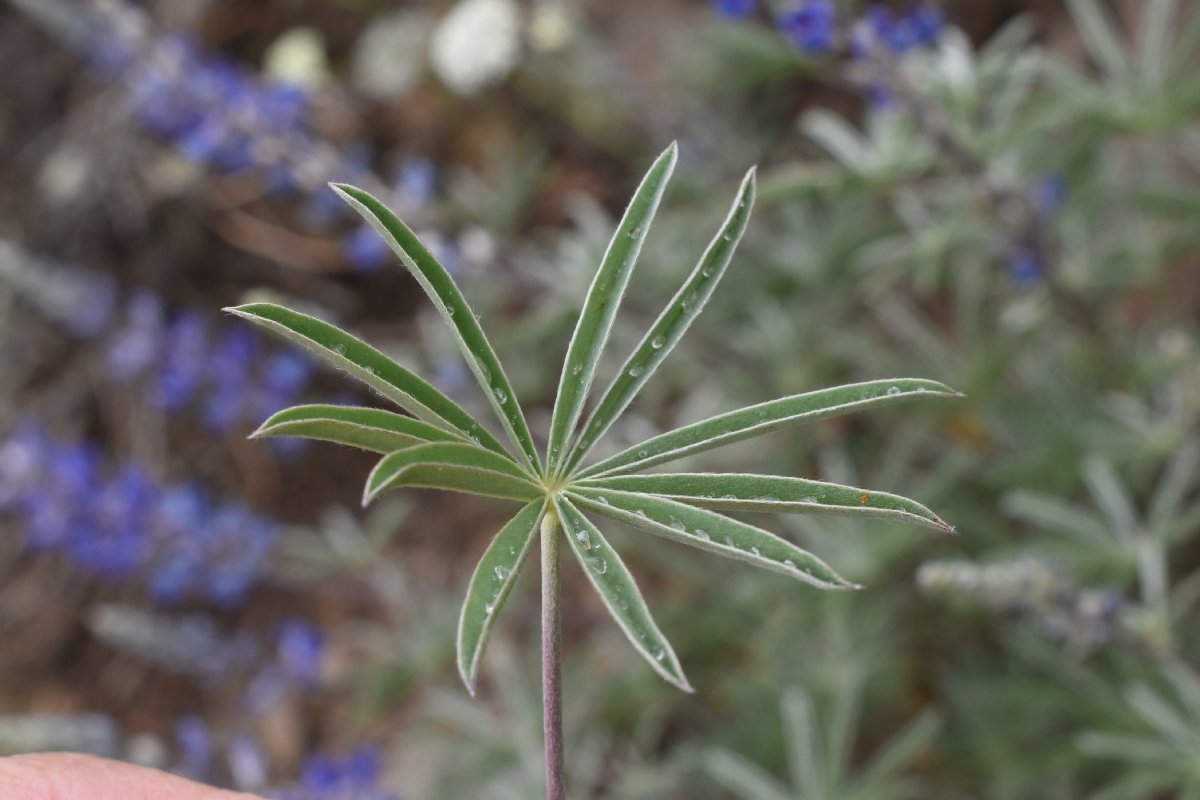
x,y
1000,194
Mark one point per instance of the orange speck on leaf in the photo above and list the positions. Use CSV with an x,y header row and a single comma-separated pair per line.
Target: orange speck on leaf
x,y
866,498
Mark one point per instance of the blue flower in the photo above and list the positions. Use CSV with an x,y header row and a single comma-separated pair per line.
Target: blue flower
x,y
195,745
133,348
183,369
735,9
301,650
1049,193
365,249
1025,267
812,26
896,33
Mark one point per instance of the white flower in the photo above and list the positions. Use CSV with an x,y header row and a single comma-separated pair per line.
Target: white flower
x,y
389,55
475,44
297,57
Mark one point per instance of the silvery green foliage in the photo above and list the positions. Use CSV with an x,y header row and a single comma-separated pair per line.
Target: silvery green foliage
x,y
820,751
441,446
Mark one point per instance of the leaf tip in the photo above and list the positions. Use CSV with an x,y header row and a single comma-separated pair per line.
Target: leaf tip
x,y
368,495
468,681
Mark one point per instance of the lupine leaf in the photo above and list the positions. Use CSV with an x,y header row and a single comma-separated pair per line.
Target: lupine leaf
x,y
710,531
339,349
453,466
616,587
747,422
367,428
490,586
455,310
1101,35
671,324
603,300
773,493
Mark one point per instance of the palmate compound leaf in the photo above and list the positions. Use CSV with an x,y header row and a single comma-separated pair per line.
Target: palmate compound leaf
x,y
751,421
710,531
366,428
345,352
671,325
601,304
453,466
616,587
491,584
455,311
772,493
445,448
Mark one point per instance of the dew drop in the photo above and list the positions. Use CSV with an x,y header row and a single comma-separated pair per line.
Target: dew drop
x,y
677,525
657,342
502,573
659,654
756,551
449,311
635,232
642,453
578,368
728,237
641,512
501,395
789,563
729,497
689,302
489,609
602,500
702,534
635,371
729,541
339,349
893,390
598,565
707,272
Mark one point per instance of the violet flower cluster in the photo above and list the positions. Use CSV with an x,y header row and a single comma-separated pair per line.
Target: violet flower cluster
x,y
351,776
227,118
224,370
815,27
116,522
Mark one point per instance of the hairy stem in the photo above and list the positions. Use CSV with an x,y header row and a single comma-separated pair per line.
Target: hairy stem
x,y
552,658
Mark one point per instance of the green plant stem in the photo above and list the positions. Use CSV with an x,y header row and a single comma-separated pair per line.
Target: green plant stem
x,y
552,658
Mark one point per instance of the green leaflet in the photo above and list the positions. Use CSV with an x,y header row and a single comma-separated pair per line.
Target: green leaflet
x,y
772,493
616,587
455,310
710,531
454,466
491,584
671,324
600,307
339,349
367,428
754,420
